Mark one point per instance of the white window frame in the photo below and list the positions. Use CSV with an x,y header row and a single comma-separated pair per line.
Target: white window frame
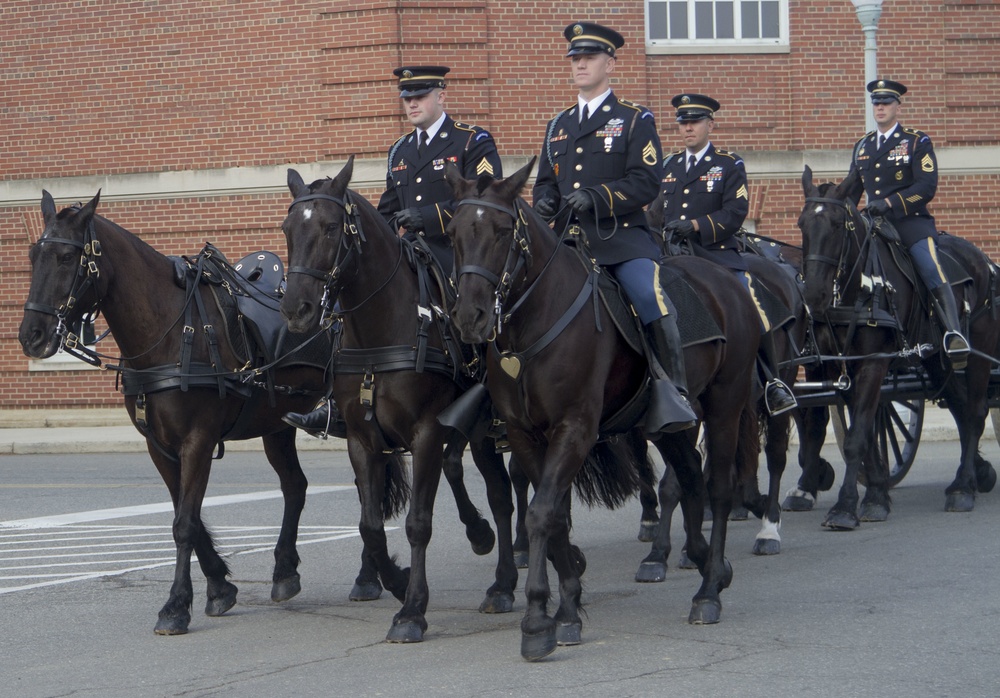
x,y
707,46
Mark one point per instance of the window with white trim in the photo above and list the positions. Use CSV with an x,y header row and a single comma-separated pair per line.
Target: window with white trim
x,y
726,25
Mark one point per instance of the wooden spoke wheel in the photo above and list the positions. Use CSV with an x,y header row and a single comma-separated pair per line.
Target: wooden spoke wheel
x,y
897,431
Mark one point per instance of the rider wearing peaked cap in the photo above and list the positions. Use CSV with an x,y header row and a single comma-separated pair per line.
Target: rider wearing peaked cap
x,y
897,170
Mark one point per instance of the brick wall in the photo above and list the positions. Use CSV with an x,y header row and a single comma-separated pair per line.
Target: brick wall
x,y
92,88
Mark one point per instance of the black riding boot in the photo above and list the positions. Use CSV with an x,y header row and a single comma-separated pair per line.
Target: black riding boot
x,y
322,421
778,397
955,344
669,409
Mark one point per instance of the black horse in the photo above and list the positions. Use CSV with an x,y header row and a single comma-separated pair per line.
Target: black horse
x,y
776,266
394,372
866,307
84,263
558,368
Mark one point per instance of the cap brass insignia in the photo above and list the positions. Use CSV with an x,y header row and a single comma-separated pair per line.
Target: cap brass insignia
x,y
407,74
577,30
685,100
649,154
881,83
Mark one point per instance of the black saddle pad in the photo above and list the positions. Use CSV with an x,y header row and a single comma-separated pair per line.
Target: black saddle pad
x,y
694,321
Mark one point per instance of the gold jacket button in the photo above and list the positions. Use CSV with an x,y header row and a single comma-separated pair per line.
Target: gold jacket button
x,y
579,150
419,180
687,191
576,185
579,167
419,197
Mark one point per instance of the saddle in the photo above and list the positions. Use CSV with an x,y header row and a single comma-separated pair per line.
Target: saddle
x,y
248,294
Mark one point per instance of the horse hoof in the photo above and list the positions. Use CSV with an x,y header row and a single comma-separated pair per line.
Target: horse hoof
x,y
841,521
172,626
368,591
685,562
986,479
874,512
497,603
538,645
647,531
405,632
766,546
739,514
960,501
521,559
569,633
222,601
797,500
705,612
651,572
481,537
285,589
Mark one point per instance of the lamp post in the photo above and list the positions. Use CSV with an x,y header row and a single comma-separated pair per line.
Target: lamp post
x,y
868,12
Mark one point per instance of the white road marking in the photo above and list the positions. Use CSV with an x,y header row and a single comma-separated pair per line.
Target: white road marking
x,y
43,549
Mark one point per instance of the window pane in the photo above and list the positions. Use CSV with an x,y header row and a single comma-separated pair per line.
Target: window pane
x,y
724,20
751,22
704,24
769,19
657,20
678,20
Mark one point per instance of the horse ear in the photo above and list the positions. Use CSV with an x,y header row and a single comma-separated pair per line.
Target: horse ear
x,y
90,207
808,188
48,207
511,187
343,178
845,188
295,184
458,183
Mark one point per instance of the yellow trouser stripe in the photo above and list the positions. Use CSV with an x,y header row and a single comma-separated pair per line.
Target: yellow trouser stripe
x,y
661,297
934,257
760,310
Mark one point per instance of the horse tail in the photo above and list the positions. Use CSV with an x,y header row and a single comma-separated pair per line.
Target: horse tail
x,y
748,444
397,487
610,473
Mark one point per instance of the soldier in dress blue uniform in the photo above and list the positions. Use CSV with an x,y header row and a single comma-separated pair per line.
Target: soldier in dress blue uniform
x,y
705,201
416,196
600,165
417,200
898,173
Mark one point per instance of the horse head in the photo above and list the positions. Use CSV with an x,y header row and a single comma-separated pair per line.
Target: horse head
x,y
829,221
63,274
321,247
488,235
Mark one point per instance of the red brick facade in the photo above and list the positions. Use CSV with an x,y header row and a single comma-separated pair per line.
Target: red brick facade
x,y
93,89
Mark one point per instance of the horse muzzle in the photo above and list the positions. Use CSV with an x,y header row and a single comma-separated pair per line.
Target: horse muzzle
x,y
38,337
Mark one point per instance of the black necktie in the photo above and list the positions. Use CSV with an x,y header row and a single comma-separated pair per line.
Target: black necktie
x,y
585,113
881,142
692,161
422,145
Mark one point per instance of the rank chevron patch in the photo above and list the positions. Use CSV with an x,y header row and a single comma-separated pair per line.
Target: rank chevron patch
x,y
742,192
484,166
649,154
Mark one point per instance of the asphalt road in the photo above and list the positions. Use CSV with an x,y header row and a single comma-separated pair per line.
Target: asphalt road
x,y
905,608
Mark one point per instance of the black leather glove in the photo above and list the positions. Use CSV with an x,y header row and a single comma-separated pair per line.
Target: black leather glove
x,y
410,219
580,200
879,207
546,208
679,230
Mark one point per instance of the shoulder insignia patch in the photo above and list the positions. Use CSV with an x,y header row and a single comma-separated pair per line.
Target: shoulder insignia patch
x,y
742,192
484,167
927,163
649,154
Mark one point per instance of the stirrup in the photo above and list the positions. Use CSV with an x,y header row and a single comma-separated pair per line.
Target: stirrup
x,y
783,399
956,347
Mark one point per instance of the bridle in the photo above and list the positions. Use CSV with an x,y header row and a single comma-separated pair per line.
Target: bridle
x,y
347,255
86,277
518,258
839,264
